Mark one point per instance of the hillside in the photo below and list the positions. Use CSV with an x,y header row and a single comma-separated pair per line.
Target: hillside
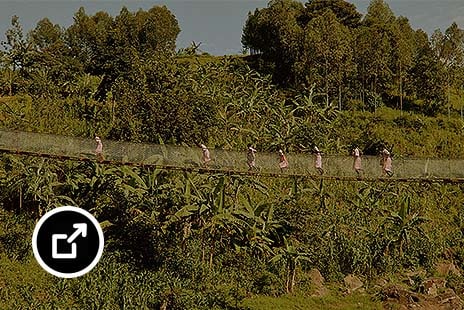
x,y
186,225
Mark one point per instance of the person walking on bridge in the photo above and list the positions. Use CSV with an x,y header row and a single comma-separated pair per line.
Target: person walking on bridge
x,y
318,161
387,169
251,158
99,149
206,157
357,161
283,162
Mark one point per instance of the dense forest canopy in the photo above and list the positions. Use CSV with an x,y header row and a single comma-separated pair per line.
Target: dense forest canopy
x,y
329,43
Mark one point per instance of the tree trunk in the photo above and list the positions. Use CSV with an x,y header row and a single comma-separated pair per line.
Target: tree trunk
x,y
401,90
326,83
293,278
340,96
287,282
10,86
211,254
20,198
461,102
449,101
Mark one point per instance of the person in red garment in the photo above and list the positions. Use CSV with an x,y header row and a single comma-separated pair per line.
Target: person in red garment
x,y
283,162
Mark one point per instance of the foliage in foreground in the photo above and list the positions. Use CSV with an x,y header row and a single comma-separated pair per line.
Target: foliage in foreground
x,y
186,240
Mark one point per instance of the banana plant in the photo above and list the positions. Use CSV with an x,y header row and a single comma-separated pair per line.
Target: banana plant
x,y
35,185
291,256
402,224
260,227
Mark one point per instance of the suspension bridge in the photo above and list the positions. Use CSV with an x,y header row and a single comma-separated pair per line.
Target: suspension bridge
x,y
231,162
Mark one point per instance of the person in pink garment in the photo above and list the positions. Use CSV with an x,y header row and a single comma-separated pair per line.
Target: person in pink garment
x,y
206,158
318,161
283,162
387,169
357,161
251,158
99,149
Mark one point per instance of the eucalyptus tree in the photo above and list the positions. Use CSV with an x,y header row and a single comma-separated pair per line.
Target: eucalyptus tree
x,y
279,34
345,12
275,32
53,68
427,75
403,53
327,55
449,47
16,45
15,56
106,46
374,49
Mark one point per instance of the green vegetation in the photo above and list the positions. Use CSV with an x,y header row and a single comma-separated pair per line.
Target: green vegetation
x,y
351,302
178,240
191,240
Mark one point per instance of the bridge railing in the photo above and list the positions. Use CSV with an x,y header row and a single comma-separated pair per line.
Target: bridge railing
x,y
190,157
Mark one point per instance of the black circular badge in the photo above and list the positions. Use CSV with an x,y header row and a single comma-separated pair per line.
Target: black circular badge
x,y
67,242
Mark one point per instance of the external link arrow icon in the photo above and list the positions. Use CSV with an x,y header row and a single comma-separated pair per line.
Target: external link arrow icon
x,y
81,228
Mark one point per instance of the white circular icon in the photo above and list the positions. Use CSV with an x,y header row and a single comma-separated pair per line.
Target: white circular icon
x,y
67,242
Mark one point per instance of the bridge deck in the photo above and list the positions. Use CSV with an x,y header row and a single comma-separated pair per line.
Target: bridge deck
x,y
225,161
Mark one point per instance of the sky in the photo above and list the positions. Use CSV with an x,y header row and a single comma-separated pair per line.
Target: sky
x,y
217,24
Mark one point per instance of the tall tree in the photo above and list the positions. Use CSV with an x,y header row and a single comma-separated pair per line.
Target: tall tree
x,y
16,45
89,39
327,54
374,49
345,12
107,46
403,53
427,74
278,33
449,47
275,33
16,54
52,67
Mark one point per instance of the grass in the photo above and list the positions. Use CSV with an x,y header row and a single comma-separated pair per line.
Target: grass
x,y
330,302
23,284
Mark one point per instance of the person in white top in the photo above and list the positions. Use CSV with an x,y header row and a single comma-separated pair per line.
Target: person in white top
x,y
283,162
357,161
99,149
318,161
206,157
251,157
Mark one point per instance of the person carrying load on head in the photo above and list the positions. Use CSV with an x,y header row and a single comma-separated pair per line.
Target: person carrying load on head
x,y
205,157
387,169
318,161
283,162
357,161
251,157
99,149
